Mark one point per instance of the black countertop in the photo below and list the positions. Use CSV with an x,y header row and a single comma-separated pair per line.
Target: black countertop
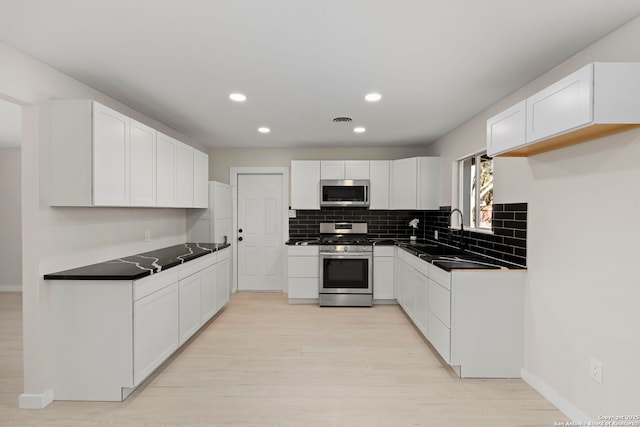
x,y
140,265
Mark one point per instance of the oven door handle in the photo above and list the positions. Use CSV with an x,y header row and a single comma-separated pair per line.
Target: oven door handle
x,y
345,255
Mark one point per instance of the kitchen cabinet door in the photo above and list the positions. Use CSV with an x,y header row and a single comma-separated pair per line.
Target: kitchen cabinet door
x,y
166,170
184,175
223,278
440,337
332,169
506,131
200,179
189,306
404,184
564,105
379,184
383,277
208,297
356,169
440,303
421,313
305,184
427,197
155,330
303,269
143,165
110,157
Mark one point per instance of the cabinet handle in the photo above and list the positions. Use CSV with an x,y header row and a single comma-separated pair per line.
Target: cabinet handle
x,y
239,239
240,231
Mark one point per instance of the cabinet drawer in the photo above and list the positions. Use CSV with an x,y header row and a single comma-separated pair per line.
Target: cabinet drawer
x,y
440,276
440,302
303,267
440,337
155,282
304,250
383,250
195,265
303,288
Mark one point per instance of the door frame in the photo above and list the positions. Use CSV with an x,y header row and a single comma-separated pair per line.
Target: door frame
x,y
234,172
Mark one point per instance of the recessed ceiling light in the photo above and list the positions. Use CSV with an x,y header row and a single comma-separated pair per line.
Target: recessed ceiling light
x,y
238,97
359,129
264,130
373,97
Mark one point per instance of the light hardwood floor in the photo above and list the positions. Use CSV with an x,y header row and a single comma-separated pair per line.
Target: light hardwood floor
x,y
262,362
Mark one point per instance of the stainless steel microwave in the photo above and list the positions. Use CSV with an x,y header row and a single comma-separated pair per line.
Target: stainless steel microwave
x,y
344,192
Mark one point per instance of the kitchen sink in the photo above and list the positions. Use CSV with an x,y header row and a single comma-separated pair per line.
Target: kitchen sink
x,y
463,264
449,258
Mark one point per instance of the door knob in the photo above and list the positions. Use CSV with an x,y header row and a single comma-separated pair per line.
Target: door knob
x,y
239,239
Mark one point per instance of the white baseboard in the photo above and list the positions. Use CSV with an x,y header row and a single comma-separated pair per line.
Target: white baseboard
x,y
566,407
36,401
10,288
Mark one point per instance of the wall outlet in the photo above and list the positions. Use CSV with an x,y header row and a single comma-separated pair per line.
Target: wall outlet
x,y
435,235
147,235
595,370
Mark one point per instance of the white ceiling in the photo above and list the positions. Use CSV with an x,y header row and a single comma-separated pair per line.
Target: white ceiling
x,y
302,63
10,124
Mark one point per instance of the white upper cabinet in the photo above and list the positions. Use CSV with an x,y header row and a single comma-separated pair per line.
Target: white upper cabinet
x,y
414,183
597,100
404,183
100,157
379,184
110,157
506,130
200,179
305,184
428,183
332,169
89,155
166,170
564,105
356,169
184,175
344,169
142,165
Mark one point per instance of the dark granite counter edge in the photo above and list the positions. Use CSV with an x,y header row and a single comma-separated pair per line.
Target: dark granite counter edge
x,y
139,274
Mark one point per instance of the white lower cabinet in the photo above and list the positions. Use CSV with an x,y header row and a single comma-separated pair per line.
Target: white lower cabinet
x,y
109,335
190,319
155,330
223,279
208,290
412,288
473,318
303,273
383,274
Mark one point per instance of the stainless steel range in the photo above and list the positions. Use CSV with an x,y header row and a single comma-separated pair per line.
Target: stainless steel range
x,y
346,261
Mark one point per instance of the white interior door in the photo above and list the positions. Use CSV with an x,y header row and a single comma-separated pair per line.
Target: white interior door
x,y
260,241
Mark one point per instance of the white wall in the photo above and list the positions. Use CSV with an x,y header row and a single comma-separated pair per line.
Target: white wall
x,y
221,159
60,238
10,221
583,288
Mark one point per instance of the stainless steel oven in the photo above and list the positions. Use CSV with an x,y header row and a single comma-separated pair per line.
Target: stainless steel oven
x,y
346,265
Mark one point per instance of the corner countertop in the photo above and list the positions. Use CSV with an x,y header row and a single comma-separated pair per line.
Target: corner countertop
x,y
140,265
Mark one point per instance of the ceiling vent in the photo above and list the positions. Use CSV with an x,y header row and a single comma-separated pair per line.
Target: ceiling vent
x,y
342,120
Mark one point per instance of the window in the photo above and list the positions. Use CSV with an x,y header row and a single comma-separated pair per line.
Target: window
x,y
476,190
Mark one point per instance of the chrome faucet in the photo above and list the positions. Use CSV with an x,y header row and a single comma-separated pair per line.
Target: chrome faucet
x,y
462,244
